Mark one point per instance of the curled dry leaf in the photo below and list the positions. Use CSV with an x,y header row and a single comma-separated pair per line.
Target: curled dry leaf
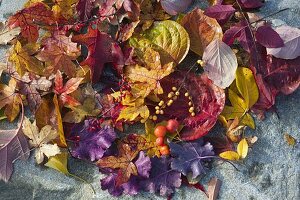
x,y
201,29
220,63
214,186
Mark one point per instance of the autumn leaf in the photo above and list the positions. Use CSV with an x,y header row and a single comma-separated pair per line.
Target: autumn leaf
x,y
222,13
10,100
22,57
59,52
201,29
151,138
7,34
124,163
64,8
59,162
78,113
243,94
64,90
57,122
84,9
290,139
168,38
242,151
40,139
29,18
173,7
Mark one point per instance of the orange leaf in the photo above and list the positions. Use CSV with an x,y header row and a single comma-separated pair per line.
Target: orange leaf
x,y
62,140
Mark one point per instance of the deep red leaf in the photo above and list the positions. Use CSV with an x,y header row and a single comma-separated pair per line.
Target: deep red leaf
x,y
208,101
99,46
268,37
222,13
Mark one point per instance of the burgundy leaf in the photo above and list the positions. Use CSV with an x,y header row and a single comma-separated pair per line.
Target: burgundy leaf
x,y
220,144
84,9
251,3
241,33
208,102
173,7
222,13
267,37
132,8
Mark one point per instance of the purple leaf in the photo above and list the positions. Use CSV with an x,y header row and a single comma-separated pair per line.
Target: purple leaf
x,y
84,9
162,178
13,145
291,48
269,38
94,140
143,165
241,33
173,7
251,3
222,13
109,183
190,157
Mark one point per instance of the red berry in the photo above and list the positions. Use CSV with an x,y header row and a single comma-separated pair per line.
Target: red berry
x,y
172,125
160,131
164,150
159,141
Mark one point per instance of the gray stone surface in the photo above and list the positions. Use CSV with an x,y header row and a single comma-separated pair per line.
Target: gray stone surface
x,y
270,172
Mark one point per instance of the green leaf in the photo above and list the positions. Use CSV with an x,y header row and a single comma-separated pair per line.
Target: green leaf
x,y
168,38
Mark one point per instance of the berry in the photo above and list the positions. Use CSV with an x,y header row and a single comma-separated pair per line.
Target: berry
x,y
159,141
164,150
172,125
160,131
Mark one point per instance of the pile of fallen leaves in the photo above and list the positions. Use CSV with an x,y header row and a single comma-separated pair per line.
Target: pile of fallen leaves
x,y
85,70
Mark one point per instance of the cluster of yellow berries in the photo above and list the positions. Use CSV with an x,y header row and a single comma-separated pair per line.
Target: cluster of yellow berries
x,y
172,96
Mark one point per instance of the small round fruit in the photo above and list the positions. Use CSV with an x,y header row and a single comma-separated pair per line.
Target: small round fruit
x,y
160,131
164,150
159,141
172,125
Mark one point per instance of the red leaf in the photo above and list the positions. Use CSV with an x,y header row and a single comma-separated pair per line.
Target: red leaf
x,y
84,9
133,9
241,33
99,46
222,13
208,100
28,19
268,37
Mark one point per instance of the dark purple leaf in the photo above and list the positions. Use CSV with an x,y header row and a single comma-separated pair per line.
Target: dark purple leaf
x,y
251,3
267,37
143,165
13,145
84,9
190,157
163,179
241,33
109,183
173,7
222,13
93,140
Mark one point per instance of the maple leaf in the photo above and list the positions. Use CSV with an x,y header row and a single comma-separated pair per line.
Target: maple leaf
x,y
63,8
13,145
78,113
29,18
202,30
84,9
190,157
22,57
40,139
124,162
59,51
64,90
10,100
99,46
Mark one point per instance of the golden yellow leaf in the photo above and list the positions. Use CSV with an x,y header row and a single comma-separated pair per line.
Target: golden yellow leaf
x,y
230,155
242,148
59,163
246,86
131,113
290,139
23,59
150,137
64,8
60,129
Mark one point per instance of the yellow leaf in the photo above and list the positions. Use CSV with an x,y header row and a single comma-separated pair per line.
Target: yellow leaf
x,y
230,155
290,140
150,137
246,86
242,148
60,129
131,113
238,108
59,163
248,120
23,59
64,8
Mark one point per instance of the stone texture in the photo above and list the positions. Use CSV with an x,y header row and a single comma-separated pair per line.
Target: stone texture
x,y
270,172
